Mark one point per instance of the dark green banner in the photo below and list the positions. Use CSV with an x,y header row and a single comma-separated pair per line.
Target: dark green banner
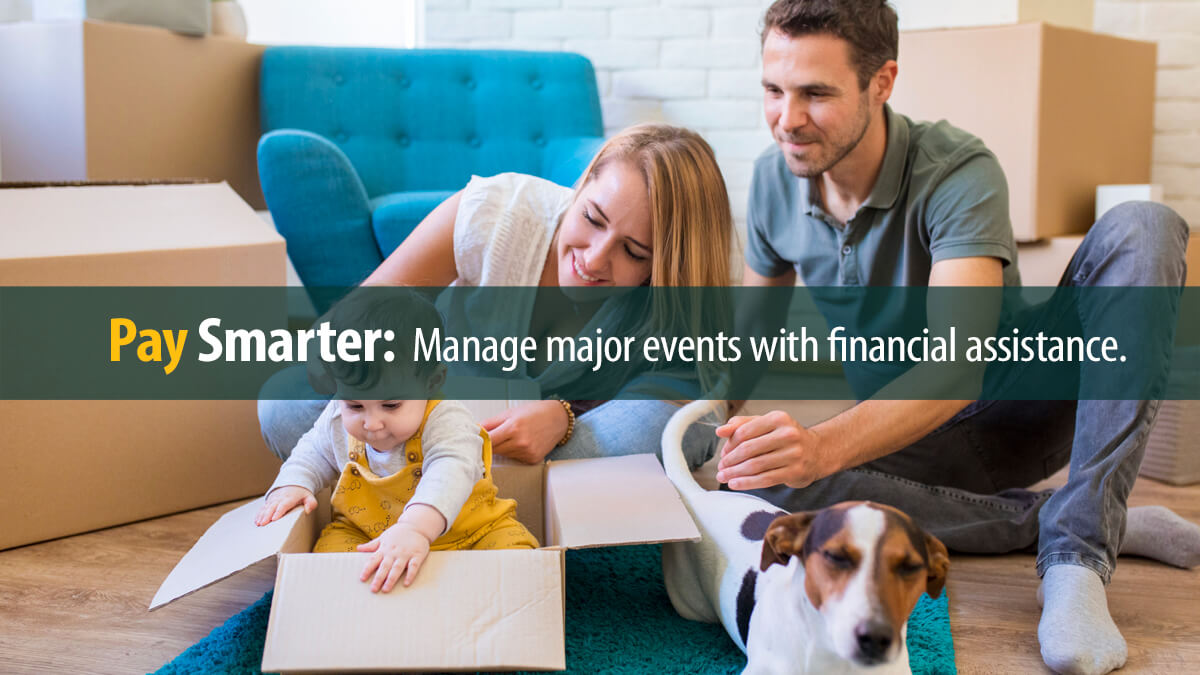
x,y
676,343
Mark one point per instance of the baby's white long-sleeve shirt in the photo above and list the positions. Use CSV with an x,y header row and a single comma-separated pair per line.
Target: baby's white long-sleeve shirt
x,y
450,441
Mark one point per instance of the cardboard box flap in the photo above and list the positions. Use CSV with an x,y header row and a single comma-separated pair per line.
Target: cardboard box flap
x,y
466,608
612,501
234,543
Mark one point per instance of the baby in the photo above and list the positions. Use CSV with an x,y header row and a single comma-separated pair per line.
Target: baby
x,y
413,473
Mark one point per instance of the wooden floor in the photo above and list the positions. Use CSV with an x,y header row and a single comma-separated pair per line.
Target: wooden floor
x,y
994,610
78,605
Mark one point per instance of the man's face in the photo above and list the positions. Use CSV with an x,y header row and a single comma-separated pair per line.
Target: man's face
x,y
813,104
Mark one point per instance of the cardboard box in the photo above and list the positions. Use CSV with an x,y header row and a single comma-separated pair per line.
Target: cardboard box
x,y
1064,110
1042,263
1171,455
136,235
1108,196
109,101
128,460
467,610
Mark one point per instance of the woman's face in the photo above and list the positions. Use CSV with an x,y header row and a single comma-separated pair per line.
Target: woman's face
x,y
605,236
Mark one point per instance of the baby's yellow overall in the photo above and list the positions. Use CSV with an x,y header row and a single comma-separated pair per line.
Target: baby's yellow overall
x,y
364,505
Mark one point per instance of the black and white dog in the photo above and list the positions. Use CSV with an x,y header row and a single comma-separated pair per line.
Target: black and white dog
x,y
819,592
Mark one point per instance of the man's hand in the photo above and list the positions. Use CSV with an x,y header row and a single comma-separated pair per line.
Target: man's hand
x,y
400,550
771,449
282,500
528,432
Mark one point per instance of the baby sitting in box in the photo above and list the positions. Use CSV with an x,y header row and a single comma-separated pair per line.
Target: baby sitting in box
x,y
413,473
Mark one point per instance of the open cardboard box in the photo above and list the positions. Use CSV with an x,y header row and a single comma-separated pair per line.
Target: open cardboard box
x,y
467,610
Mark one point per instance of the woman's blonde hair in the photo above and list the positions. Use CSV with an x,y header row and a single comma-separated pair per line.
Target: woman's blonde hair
x,y
692,233
689,206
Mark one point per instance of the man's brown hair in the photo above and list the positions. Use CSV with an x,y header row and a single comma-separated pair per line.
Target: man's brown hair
x,y
869,26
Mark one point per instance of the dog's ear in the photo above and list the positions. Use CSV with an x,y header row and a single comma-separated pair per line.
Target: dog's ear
x,y
939,565
785,538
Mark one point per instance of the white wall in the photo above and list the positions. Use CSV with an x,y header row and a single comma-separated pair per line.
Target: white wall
x,y
335,23
16,10
1175,26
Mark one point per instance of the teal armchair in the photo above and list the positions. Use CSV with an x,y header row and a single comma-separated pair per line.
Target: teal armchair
x,y
360,145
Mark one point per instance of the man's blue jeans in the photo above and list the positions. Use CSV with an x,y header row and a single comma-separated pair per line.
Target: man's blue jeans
x,y
965,481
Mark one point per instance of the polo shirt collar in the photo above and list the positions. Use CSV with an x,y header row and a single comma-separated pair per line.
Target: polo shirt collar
x,y
812,193
891,174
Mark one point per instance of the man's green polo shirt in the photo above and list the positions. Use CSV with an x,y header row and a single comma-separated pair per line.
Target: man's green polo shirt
x,y
940,194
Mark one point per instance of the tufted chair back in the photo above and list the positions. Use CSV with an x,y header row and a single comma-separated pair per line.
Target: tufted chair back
x,y
429,119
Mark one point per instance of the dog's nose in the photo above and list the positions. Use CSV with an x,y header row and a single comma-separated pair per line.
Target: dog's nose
x,y
874,638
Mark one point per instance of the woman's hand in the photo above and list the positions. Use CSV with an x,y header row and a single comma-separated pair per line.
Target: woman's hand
x,y
528,432
282,500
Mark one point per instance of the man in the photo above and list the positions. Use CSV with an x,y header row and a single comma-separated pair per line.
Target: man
x,y
855,194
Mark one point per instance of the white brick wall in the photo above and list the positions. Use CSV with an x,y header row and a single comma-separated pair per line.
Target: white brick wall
x,y
1175,26
465,25
560,23
661,22
661,83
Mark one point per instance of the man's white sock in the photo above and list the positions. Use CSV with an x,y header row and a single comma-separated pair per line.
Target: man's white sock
x,y
1076,633
1159,533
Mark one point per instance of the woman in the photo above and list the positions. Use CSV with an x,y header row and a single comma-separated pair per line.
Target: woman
x,y
651,209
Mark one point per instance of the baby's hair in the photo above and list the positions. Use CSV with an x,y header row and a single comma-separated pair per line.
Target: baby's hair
x,y
384,308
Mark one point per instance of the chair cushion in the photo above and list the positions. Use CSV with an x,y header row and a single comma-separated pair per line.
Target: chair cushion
x,y
394,216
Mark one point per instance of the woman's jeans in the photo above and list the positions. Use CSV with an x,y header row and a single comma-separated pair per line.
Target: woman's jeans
x,y
963,482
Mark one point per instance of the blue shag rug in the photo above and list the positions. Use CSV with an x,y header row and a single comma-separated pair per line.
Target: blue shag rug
x,y
619,621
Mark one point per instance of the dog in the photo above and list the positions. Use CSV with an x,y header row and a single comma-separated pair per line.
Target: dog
x,y
818,592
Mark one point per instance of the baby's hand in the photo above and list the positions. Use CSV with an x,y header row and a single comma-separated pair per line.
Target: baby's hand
x,y
400,547
282,500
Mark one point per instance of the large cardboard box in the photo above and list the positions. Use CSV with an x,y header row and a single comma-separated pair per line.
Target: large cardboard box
x,y
74,466
1064,110
467,610
110,101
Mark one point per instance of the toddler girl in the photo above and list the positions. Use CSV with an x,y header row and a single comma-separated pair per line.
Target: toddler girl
x,y
413,473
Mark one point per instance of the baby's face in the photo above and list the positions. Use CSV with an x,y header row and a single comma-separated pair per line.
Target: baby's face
x,y
383,424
